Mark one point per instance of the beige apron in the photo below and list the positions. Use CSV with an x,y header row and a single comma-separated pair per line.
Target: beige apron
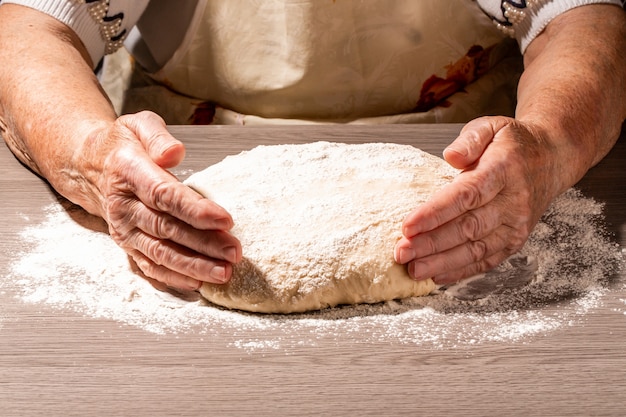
x,y
322,61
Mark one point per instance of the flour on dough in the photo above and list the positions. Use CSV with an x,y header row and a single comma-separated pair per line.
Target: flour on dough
x,y
318,222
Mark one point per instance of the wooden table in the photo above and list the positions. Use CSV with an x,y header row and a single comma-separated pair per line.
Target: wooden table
x,y
61,363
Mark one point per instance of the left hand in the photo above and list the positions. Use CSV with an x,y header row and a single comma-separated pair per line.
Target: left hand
x,y
487,213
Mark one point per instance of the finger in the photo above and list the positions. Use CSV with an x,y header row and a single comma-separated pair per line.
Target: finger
x,y
472,141
160,191
165,150
212,243
183,203
470,190
471,226
177,259
471,270
164,276
459,258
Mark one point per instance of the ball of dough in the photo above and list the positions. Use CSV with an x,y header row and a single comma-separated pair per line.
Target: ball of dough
x,y
318,222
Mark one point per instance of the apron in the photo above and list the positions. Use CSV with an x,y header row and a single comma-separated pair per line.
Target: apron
x,y
329,61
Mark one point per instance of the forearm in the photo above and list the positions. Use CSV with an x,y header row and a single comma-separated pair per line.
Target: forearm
x,y
573,89
50,102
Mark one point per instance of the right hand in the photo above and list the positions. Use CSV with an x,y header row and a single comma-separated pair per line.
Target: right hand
x,y
174,235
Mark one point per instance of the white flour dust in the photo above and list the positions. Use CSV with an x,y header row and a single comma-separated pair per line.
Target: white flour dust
x,y
69,262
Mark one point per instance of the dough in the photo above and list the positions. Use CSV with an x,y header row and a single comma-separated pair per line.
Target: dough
x,y
318,222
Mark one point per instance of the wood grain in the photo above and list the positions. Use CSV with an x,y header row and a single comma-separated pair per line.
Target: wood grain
x,y
59,363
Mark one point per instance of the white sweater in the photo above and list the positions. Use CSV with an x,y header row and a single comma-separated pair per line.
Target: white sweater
x,y
104,25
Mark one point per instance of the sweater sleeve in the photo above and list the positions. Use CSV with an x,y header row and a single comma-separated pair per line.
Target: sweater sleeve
x,y
102,25
525,19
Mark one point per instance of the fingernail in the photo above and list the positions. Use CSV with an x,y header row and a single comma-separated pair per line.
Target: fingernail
x,y
230,254
461,151
169,146
218,274
411,231
224,223
405,255
193,284
414,268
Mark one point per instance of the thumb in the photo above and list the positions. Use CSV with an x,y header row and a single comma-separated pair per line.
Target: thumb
x,y
165,150
474,138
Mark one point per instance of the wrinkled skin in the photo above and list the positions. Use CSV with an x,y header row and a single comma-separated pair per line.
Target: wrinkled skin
x,y
488,212
172,233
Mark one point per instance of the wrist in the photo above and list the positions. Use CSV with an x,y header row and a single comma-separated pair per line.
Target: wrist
x,y
567,155
81,181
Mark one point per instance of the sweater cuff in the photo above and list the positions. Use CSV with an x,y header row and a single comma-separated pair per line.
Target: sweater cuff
x,y
536,17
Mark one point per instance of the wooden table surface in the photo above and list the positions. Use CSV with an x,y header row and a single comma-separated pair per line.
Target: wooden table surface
x,y
64,363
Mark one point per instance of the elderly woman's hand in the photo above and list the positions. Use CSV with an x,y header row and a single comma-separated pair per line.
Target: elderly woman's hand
x,y
173,234
487,213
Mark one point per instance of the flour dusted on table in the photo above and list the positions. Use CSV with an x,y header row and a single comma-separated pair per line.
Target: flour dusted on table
x,y
90,276
318,222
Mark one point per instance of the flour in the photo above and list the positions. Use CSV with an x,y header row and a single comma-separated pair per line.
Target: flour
x,y
70,263
317,222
